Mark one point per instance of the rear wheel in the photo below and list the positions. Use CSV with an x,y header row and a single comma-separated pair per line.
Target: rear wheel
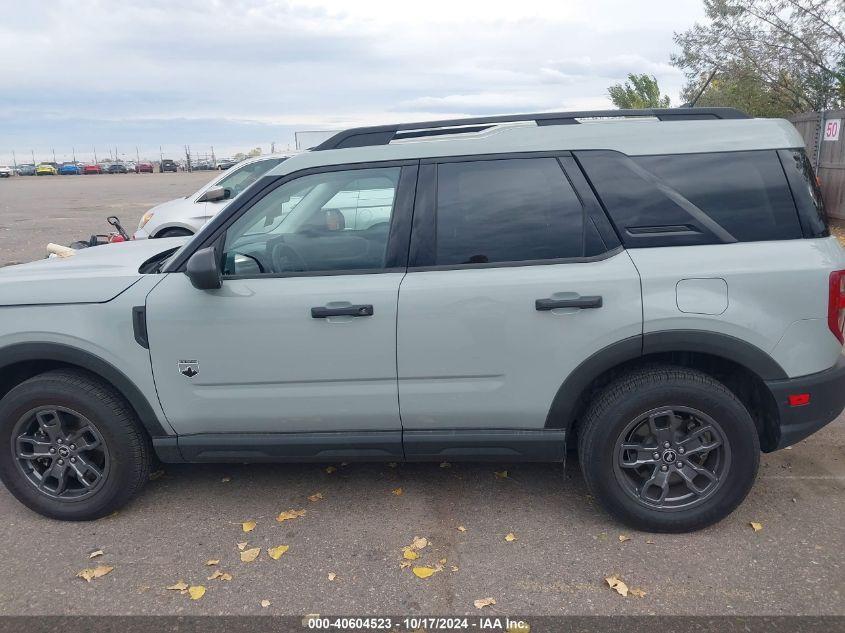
x,y
668,449
71,446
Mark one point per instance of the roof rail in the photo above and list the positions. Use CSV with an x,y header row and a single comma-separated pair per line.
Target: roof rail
x,y
383,134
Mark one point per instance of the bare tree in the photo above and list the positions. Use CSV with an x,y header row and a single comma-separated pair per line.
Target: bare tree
x,y
795,47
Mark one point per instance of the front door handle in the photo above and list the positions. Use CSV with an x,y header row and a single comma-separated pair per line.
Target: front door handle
x,y
579,302
354,311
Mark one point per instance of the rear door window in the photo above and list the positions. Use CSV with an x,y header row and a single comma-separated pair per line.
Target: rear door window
x,y
508,210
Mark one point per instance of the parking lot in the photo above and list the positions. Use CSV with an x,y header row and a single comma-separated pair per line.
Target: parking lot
x,y
345,553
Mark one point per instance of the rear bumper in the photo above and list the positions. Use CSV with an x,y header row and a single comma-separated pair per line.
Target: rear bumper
x,y
827,400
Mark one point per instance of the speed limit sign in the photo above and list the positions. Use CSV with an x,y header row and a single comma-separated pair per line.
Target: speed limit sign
x,y
831,129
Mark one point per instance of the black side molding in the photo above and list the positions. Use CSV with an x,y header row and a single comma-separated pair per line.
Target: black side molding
x,y
139,326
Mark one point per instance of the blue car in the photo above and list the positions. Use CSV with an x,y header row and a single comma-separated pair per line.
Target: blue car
x,y
69,169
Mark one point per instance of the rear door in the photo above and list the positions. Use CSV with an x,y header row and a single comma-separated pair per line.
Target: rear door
x,y
515,278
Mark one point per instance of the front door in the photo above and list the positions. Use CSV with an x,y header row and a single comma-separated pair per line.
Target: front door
x,y
301,337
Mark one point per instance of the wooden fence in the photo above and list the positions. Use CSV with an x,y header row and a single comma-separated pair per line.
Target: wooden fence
x,y
827,156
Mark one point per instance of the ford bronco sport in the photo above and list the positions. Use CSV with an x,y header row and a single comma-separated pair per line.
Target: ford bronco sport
x,y
656,287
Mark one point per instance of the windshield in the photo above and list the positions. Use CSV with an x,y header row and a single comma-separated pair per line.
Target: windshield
x,y
238,180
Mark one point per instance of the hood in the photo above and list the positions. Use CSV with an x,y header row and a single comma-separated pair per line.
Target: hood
x,y
179,205
92,275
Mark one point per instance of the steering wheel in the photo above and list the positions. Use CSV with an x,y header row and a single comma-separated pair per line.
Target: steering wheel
x,y
285,258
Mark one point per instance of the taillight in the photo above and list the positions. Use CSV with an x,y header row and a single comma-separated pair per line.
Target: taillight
x,y
836,305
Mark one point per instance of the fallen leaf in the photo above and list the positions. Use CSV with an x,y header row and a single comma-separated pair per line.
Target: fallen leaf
x,y
241,546
158,474
442,561
332,575
501,474
179,586
196,592
96,553
423,572
222,575
276,552
638,593
510,537
649,542
484,602
614,582
408,553
250,555
419,542
226,480
623,538
265,603
330,469
461,528
211,562
248,526
454,568
756,526
445,465
398,492
317,496
97,572
289,515
404,564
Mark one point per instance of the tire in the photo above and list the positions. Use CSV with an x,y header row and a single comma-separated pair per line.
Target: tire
x,y
648,407
122,452
175,232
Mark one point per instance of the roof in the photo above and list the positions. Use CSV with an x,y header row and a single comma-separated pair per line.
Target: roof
x,y
647,132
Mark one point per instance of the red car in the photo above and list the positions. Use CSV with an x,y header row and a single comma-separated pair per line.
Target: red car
x,y
141,168
91,169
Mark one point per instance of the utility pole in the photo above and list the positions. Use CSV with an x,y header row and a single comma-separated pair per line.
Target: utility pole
x,y
14,161
272,148
95,155
188,156
213,157
32,151
54,155
137,155
73,150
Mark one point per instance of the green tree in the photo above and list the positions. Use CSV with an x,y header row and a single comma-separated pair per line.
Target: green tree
x,y
792,50
640,91
740,89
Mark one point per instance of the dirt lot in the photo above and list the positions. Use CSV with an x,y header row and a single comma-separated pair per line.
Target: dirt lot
x,y
565,544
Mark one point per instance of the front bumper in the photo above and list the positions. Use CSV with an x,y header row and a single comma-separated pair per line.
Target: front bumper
x,y
827,400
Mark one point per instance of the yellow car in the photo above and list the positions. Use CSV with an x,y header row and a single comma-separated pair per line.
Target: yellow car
x,y
46,169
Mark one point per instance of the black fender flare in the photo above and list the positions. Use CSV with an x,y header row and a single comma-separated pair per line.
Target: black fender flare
x,y
67,354
562,412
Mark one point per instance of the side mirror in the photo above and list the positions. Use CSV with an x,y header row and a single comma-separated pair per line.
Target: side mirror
x,y
203,270
215,194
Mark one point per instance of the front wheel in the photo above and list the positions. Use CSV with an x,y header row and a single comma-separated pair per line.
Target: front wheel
x,y
175,232
72,448
668,449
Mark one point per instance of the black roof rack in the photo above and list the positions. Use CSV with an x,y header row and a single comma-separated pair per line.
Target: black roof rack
x,y
383,134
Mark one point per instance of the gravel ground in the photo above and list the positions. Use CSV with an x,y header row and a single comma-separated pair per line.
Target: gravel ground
x,y
565,544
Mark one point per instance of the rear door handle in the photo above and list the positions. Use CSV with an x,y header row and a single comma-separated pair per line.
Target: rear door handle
x,y
354,310
580,302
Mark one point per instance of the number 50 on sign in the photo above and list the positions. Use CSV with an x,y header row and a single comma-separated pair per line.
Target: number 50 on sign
x,y
831,129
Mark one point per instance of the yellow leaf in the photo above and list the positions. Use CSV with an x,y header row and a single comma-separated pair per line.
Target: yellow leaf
x,y
317,496
211,562
408,553
248,526
276,552
484,602
614,582
332,575
330,469
461,528
289,515
510,537
222,575
90,574
397,492
423,572
241,546
96,553
196,592
638,593
179,586
419,542
623,538
442,561
756,526
454,568
250,555
265,603
445,465
501,474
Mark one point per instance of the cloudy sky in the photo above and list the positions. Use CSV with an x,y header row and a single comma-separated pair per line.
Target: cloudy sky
x,y
236,74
